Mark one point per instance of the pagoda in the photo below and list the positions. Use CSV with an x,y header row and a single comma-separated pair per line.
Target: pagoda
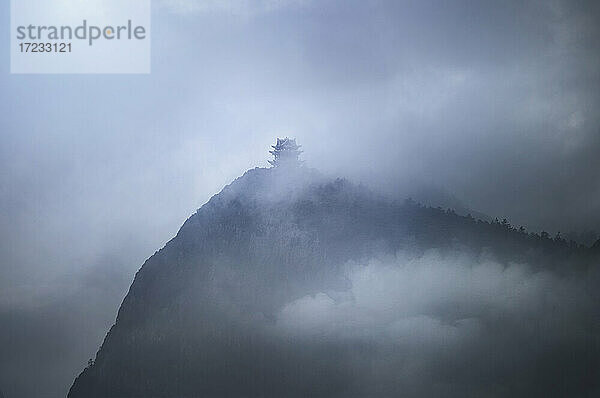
x,y
285,153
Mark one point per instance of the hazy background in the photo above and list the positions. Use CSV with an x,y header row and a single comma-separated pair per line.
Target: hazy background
x,y
491,103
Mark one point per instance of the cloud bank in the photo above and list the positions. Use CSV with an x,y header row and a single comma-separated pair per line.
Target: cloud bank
x,y
455,325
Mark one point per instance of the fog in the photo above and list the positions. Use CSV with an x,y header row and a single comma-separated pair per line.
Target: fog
x,y
449,291
490,105
454,325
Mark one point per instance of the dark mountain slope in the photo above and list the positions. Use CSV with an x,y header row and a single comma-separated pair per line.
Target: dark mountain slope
x,y
200,316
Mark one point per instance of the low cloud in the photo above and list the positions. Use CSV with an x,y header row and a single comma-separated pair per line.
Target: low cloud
x,y
459,326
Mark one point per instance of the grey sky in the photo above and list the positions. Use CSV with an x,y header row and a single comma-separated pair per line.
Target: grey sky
x,y
494,102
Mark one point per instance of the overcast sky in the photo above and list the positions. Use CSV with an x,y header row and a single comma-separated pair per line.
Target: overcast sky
x,y
495,103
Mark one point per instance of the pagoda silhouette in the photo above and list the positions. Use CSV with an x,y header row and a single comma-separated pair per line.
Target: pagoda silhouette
x,y
285,153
